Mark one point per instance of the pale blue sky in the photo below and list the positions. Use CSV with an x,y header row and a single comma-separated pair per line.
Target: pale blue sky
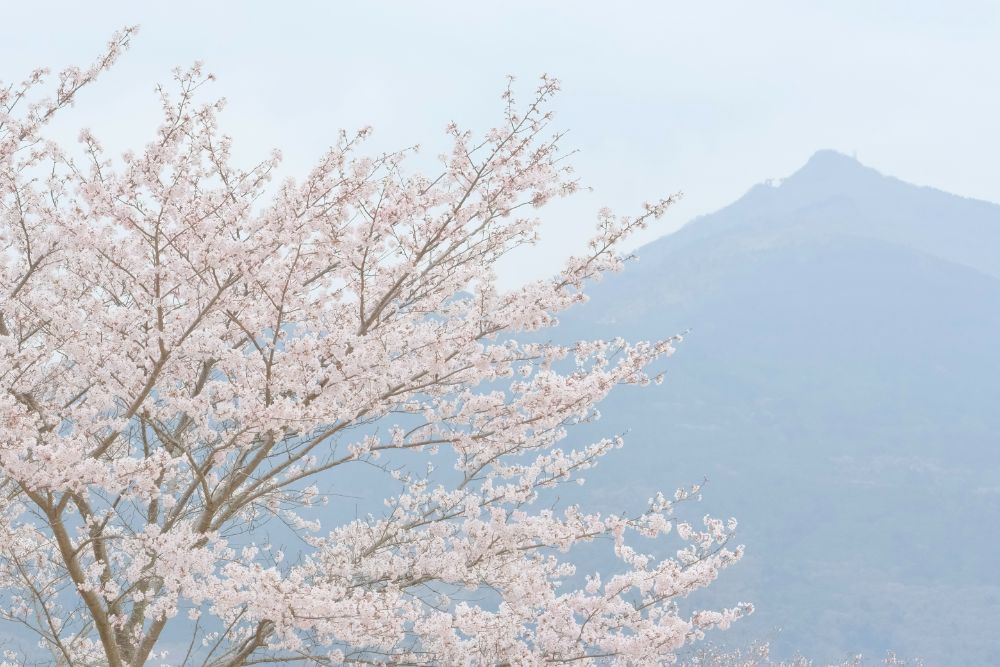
x,y
704,97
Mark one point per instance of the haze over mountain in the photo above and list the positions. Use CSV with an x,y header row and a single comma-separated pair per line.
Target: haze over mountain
x,y
839,389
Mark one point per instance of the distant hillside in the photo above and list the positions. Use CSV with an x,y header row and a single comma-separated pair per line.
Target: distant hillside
x,y
840,388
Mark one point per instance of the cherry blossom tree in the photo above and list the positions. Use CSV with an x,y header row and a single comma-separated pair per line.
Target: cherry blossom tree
x,y
189,349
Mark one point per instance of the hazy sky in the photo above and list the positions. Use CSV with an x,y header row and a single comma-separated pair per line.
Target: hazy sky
x,y
704,97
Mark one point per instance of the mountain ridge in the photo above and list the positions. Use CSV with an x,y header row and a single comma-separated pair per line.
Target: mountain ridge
x,y
838,389
829,175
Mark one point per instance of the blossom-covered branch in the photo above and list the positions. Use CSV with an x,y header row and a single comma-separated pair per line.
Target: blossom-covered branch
x,y
189,348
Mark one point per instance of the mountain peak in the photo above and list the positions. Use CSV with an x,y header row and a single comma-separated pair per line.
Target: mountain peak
x,y
830,157
826,166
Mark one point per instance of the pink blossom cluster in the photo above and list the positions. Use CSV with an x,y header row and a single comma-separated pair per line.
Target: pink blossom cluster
x,y
188,347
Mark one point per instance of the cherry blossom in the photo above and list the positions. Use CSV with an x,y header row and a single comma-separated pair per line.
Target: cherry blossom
x,y
190,349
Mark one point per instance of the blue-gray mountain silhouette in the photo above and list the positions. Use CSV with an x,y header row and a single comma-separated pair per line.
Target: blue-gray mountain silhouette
x,y
840,389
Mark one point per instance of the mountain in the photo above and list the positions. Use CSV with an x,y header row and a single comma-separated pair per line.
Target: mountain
x,y
840,390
